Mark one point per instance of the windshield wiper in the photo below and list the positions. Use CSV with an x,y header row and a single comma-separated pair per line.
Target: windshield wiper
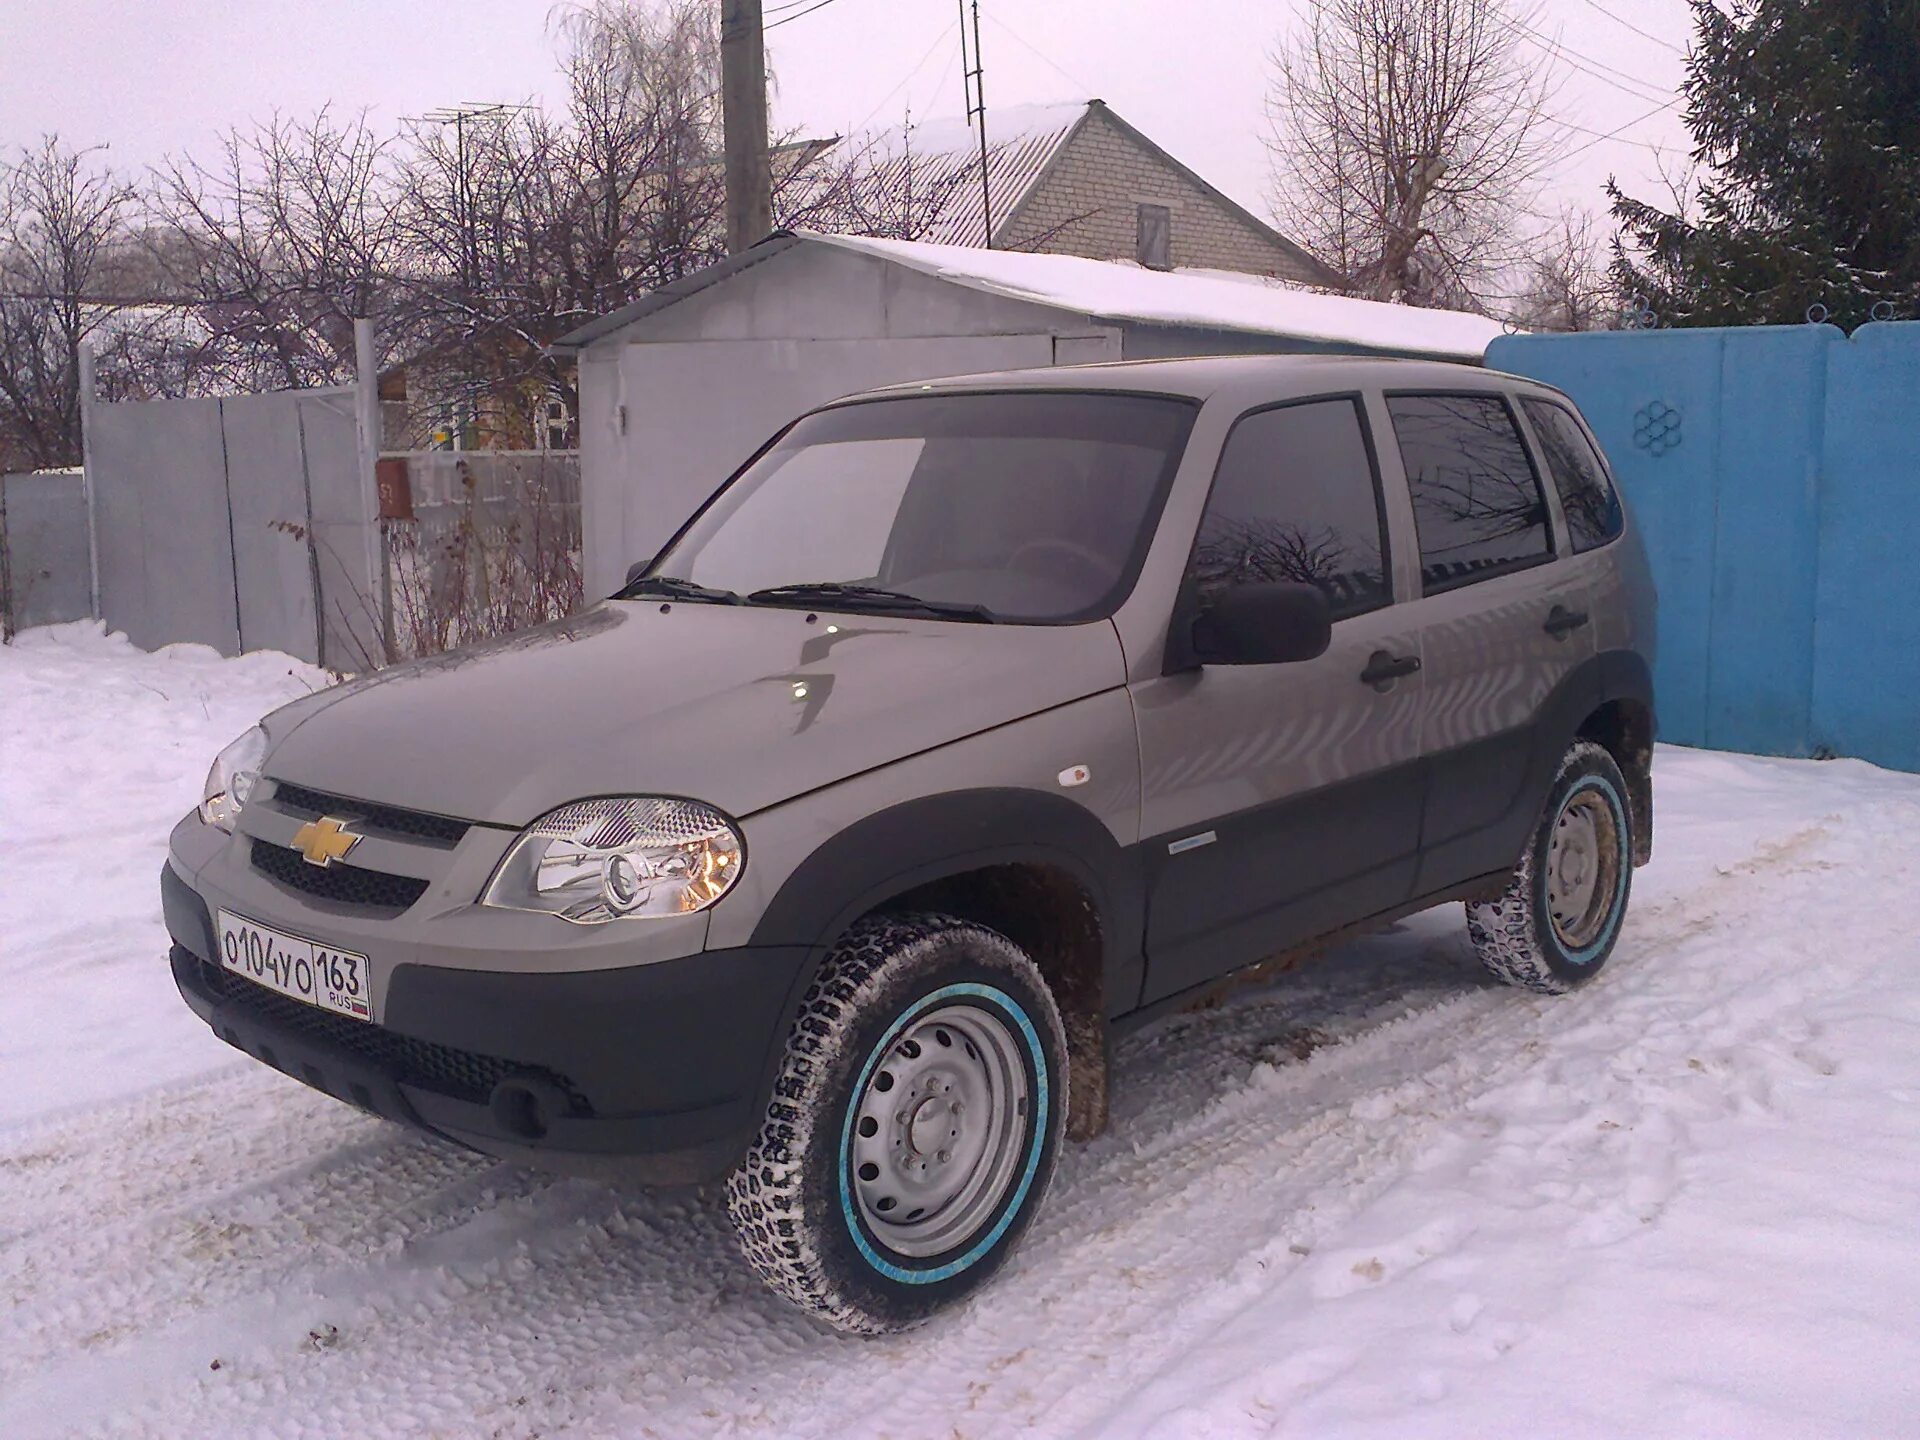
x,y
851,596
674,588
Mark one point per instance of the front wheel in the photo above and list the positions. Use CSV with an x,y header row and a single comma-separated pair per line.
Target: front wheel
x,y
913,1127
1556,923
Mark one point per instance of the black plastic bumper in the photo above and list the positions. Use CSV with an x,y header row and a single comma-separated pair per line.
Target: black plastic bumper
x,y
651,1073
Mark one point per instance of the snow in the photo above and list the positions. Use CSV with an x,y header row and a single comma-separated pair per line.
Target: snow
x,y
1213,299
102,748
1373,1196
954,135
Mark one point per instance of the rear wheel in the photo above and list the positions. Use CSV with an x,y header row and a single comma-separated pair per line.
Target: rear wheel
x,y
913,1128
1556,923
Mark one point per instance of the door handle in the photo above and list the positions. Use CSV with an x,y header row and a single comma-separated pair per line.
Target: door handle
x,y
1383,668
1562,622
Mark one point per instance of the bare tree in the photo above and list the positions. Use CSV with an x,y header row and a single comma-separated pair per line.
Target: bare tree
x,y
1406,136
517,226
1565,285
63,263
279,247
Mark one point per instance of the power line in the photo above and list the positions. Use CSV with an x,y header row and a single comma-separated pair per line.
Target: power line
x,y
1086,90
1601,139
1606,74
911,76
1643,34
799,14
1617,134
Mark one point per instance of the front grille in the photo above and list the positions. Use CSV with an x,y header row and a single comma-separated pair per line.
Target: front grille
x,y
347,884
443,1069
408,824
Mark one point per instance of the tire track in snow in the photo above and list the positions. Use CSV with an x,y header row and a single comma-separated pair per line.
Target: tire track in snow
x,y
528,1304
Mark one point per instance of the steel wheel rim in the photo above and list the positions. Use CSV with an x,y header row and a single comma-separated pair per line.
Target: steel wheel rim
x,y
1583,869
926,1176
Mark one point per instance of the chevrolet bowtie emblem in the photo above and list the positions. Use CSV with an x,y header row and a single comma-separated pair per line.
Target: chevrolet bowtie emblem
x,y
324,841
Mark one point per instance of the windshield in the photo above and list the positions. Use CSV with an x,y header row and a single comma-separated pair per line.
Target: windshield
x,y
1031,506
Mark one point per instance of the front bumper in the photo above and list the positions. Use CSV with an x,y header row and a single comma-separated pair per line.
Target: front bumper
x,y
652,1072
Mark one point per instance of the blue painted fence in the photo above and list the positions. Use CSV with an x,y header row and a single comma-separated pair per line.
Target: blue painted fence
x,y
1775,472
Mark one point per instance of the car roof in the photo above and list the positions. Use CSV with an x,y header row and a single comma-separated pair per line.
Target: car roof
x,y
1253,379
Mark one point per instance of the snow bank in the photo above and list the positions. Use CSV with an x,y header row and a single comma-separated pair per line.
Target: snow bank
x,y
1374,1197
102,748
1210,299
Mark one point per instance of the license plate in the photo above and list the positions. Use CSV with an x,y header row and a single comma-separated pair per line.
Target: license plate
x,y
336,980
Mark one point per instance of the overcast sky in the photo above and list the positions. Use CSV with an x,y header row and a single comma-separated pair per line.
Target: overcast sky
x,y
154,77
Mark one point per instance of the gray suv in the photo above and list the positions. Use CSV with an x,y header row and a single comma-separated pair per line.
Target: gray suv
x,y
968,725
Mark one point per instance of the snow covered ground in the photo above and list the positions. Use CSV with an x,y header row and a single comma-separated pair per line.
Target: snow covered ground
x,y
1375,1197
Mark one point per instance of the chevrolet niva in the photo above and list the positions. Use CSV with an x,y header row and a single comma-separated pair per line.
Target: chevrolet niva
x,y
968,725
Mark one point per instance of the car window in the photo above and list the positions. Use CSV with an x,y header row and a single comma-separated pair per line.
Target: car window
x,y
1477,503
1035,505
835,503
1296,498
1587,496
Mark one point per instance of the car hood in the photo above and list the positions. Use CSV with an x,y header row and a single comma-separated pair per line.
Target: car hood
x,y
739,706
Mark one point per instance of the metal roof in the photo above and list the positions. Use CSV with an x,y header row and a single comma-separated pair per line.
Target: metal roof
x,y
942,158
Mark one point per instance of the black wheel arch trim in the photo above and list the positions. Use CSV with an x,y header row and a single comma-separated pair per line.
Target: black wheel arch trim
x,y
897,850
1598,681
892,851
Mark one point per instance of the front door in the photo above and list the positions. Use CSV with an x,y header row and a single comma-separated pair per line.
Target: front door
x,y
1281,801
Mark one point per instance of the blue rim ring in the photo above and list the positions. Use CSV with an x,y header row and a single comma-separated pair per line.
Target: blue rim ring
x,y
1011,1008
1598,948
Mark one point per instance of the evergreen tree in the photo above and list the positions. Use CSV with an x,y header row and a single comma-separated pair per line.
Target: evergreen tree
x,y
1806,119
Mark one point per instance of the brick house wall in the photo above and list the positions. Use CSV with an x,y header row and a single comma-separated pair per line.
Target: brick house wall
x,y
1087,203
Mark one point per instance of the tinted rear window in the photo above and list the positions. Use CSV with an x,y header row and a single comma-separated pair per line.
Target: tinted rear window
x,y
1587,496
1477,504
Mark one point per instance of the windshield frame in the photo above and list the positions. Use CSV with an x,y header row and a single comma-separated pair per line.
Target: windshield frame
x,y
1129,576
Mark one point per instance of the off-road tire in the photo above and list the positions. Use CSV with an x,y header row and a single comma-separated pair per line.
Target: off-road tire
x,y
1515,935
790,1199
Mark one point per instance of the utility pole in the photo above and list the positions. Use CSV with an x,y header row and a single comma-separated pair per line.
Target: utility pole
x,y
743,99
974,83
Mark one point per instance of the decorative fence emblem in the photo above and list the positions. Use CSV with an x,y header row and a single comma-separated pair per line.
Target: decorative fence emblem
x,y
1656,428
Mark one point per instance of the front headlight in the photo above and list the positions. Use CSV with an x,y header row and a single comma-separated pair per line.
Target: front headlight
x,y
231,780
619,858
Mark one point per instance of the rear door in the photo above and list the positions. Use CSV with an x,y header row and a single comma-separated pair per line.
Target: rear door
x,y
1279,801
1503,620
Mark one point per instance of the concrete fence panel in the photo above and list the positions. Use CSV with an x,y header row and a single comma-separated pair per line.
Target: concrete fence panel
x,y
44,561
1775,475
1866,654
350,592
275,574
240,523
162,523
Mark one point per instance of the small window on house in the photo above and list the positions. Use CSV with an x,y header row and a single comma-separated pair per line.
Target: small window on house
x,y
1477,504
1153,236
449,427
556,425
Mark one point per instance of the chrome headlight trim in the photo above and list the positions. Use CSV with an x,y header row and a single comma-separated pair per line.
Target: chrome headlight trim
x,y
230,780
619,857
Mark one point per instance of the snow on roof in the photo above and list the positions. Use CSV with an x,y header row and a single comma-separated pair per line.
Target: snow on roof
x,y
1021,140
1207,299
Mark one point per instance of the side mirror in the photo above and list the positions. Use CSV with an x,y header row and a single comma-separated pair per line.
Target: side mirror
x,y
1269,623
636,570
